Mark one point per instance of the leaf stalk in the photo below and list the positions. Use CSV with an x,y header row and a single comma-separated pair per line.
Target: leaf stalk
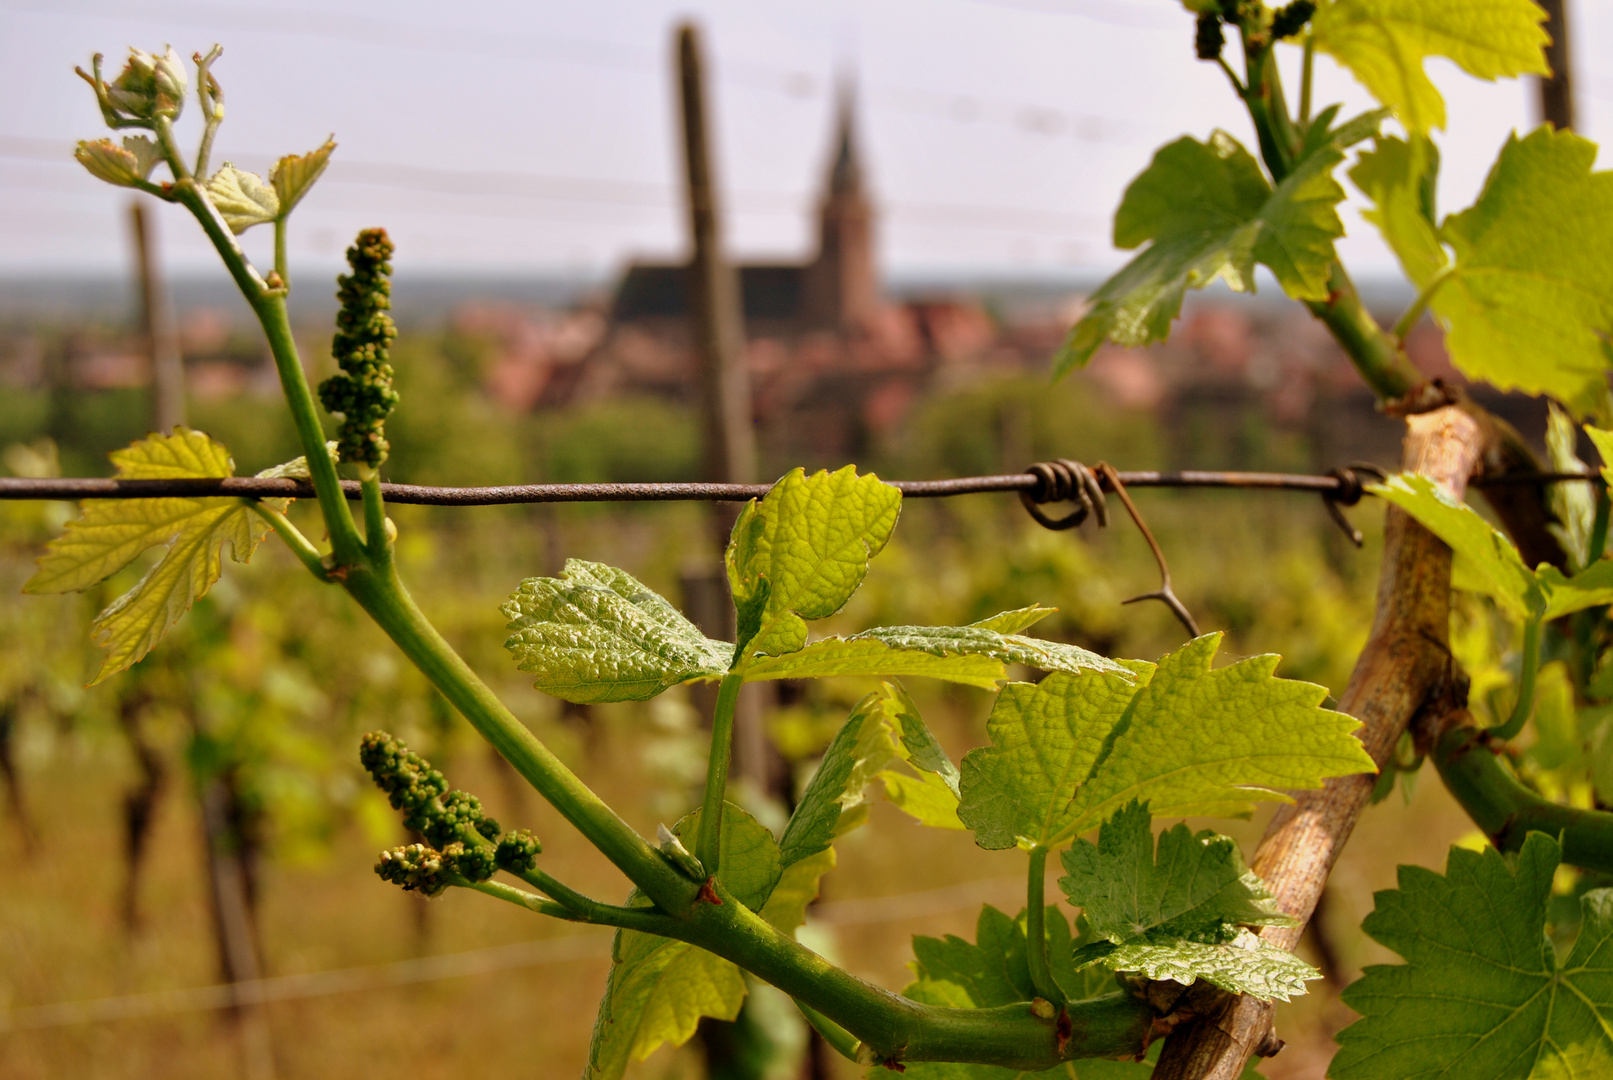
x,y
708,839
1036,928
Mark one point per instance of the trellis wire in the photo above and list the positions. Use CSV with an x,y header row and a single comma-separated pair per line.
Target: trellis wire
x,y
414,494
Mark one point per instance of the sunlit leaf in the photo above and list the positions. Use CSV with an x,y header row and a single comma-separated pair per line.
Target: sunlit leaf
x,y
1384,43
111,533
1069,751
597,634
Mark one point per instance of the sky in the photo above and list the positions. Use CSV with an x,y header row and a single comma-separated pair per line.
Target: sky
x,y
494,136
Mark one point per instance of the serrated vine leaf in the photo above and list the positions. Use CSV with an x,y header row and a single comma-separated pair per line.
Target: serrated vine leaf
x,y
1195,887
1177,917
294,174
1071,750
884,729
1529,300
242,198
862,747
1487,563
1207,211
1399,176
659,989
1016,621
749,862
1244,965
124,165
1482,995
972,655
796,889
1603,441
809,540
597,634
1384,44
109,534
657,992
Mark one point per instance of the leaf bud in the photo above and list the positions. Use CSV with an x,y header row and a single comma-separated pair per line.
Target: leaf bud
x,y
150,86
518,852
126,165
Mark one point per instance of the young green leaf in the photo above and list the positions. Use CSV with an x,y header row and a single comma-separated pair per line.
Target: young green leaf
x,y
657,992
992,969
829,806
1572,504
1384,43
749,859
1400,177
1177,917
1244,965
1487,563
1207,212
884,729
796,889
1069,751
109,534
809,540
972,655
659,988
1482,992
1529,302
294,174
1195,888
242,198
1603,441
596,634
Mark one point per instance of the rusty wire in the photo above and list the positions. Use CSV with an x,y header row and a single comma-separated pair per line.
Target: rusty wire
x,y
263,488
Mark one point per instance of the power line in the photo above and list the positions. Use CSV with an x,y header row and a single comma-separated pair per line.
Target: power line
x,y
1030,117
559,188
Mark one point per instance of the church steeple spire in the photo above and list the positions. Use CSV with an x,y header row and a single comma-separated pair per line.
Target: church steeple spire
x,y
842,288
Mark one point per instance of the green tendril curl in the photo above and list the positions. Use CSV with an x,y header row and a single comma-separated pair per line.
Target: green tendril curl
x,y
362,391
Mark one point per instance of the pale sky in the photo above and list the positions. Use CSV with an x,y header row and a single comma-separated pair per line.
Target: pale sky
x,y
998,135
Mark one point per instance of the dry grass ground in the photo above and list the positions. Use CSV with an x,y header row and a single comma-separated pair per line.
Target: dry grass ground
x,y
60,938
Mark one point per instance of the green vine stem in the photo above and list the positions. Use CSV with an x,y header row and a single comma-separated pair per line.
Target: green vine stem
x,y
293,538
1408,320
383,596
1526,685
1506,810
1036,928
708,840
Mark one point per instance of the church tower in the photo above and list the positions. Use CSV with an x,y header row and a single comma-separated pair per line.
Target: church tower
x,y
842,291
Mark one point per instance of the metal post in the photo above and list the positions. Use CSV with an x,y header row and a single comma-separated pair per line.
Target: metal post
x,y
157,324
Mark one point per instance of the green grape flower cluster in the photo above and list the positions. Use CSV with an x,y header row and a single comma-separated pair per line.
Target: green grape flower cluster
x,y
518,852
1208,39
362,391
1292,19
457,830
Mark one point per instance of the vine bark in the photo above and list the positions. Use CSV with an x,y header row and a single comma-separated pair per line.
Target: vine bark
x,y
1404,666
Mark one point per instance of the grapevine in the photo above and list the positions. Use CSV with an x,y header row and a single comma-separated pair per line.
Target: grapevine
x,y
1176,935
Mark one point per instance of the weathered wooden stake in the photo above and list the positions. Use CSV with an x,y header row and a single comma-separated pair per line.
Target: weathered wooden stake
x,y
1557,92
157,324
